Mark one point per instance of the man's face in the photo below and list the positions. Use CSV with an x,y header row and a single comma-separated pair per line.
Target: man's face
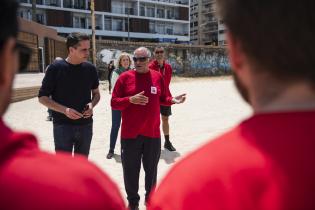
x,y
141,61
9,59
81,51
159,54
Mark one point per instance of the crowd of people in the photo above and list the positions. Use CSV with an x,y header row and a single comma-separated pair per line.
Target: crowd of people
x,y
263,163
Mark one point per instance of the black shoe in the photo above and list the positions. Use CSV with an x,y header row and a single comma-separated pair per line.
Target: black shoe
x,y
168,145
110,155
133,207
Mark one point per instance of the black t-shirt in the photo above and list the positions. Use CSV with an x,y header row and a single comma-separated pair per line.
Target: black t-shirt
x,y
70,85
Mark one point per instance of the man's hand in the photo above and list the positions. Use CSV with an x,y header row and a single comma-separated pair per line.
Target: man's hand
x,y
88,112
139,99
73,114
179,99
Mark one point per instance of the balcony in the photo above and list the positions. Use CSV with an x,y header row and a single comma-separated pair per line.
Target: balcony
x,y
182,2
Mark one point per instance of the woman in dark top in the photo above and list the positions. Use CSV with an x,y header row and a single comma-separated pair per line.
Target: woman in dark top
x,y
111,68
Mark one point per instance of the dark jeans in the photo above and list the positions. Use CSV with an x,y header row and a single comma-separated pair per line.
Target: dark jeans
x,y
116,118
73,137
132,151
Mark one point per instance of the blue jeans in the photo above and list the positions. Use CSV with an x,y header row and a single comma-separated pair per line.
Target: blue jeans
x,y
116,118
75,138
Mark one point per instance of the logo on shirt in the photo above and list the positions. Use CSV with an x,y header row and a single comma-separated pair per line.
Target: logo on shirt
x,y
153,90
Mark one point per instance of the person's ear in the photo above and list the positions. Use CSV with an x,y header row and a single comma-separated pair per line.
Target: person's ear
x,y
235,53
7,59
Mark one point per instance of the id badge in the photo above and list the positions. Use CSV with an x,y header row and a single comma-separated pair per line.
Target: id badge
x,y
153,90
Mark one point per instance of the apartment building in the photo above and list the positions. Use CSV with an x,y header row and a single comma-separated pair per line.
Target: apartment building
x,y
135,20
205,28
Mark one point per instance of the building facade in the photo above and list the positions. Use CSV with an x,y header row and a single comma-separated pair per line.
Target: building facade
x,y
134,20
205,28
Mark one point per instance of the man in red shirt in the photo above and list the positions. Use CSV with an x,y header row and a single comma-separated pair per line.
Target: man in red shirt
x,y
267,161
138,94
159,64
32,179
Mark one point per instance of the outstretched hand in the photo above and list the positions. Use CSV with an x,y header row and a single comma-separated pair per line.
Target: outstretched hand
x,y
179,99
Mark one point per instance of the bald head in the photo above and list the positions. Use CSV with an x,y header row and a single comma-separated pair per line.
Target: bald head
x,y
141,59
142,52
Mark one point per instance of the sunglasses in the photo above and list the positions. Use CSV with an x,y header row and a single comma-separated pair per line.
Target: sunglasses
x,y
25,54
159,52
140,59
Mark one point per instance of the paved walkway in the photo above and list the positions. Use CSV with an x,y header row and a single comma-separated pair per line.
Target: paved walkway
x,y
212,107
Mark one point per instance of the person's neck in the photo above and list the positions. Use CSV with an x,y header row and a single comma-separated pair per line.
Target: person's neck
x,y
72,60
160,62
299,96
142,72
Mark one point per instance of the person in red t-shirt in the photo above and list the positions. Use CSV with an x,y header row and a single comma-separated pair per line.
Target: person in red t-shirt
x,y
138,94
267,161
159,64
29,178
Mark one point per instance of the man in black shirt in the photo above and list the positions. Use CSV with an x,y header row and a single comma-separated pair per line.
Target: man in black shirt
x,y
70,83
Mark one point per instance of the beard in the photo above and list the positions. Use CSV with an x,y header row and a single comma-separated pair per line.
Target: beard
x,y
241,88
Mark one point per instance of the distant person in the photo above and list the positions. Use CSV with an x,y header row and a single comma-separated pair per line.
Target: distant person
x,y
267,161
71,83
110,68
138,94
159,64
123,65
29,178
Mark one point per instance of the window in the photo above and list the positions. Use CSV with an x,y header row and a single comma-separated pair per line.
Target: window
x,y
142,10
169,31
150,12
67,3
160,28
160,13
82,23
40,18
108,23
152,27
170,13
52,3
117,24
117,7
79,4
79,22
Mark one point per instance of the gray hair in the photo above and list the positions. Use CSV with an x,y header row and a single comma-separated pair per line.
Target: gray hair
x,y
158,47
148,52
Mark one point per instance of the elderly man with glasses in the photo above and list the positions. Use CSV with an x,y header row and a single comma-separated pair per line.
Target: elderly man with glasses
x,y
139,94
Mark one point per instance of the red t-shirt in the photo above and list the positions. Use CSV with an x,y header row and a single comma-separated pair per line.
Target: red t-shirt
x,y
166,72
266,163
139,119
35,180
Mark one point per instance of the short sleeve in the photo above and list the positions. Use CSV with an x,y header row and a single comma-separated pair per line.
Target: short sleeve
x,y
48,83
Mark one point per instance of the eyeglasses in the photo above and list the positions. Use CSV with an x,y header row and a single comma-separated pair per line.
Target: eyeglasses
x,y
140,59
25,54
159,52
